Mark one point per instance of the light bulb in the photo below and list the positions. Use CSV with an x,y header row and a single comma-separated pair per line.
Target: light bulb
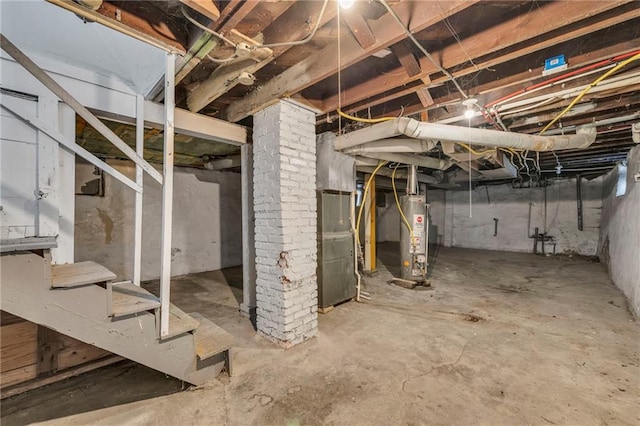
x,y
469,103
346,4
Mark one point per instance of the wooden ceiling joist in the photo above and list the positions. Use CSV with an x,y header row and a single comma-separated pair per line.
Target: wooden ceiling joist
x,y
204,7
359,28
318,67
406,58
425,97
298,21
508,83
121,20
496,38
207,42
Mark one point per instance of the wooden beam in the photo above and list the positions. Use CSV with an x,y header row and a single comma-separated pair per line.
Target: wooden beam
x,y
127,23
297,22
406,58
226,77
492,40
196,53
425,97
227,12
204,7
240,13
207,42
359,28
508,83
317,67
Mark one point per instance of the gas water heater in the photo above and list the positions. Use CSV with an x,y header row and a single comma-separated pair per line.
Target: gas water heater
x,y
413,238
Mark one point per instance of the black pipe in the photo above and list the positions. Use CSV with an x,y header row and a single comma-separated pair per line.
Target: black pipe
x,y
495,227
579,200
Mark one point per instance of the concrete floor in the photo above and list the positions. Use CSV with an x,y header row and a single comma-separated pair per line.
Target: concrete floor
x,y
501,339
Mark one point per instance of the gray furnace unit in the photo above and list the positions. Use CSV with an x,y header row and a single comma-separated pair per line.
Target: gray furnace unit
x,y
335,182
336,263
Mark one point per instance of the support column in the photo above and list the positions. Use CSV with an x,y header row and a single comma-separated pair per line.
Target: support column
x,y
248,305
449,211
167,193
64,253
370,227
284,183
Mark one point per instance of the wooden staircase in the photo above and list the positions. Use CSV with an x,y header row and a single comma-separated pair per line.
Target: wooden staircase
x,y
82,301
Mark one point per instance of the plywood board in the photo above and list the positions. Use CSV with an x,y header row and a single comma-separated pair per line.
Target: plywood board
x,y
19,346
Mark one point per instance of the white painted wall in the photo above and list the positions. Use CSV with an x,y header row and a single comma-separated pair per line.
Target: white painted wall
x,y
207,223
511,208
436,201
452,226
36,175
619,246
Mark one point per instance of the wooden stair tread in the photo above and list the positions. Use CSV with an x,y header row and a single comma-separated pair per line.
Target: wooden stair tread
x,y
78,274
128,298
179,323
211,339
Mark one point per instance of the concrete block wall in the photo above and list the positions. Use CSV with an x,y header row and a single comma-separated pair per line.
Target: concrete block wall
x,y
285,206
511,207
619,245
207,226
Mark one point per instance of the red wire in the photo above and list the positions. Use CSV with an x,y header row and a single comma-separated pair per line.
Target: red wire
x,y
563,76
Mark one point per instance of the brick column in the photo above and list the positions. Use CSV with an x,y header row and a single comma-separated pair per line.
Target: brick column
x,y
284,201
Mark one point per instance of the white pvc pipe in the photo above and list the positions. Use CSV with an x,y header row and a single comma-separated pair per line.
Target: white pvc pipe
x,y
413,159
406,145
447,133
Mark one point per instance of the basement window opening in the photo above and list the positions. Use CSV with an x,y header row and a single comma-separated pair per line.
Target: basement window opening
x,y
621,185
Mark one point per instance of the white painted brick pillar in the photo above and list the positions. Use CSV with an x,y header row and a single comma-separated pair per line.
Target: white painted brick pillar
x,y
284,201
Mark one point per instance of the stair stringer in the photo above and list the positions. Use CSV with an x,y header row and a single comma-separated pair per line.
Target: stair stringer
x,y
81,313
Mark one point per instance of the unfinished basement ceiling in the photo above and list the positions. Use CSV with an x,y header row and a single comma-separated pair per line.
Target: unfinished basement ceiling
x,y
495,51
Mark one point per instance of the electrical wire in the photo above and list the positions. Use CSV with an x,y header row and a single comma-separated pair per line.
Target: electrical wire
x,y
205,28
363,120
395,194
578,72
588,88
364,197
235,56
222,60
473,151
422,49
307,38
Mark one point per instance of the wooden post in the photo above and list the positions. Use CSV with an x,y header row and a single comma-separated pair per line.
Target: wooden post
x,y
370,227
167,193
137,239
248,233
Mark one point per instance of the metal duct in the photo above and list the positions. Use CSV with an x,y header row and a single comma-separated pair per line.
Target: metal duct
x,y
416,160
447,133
393,145
223,163
400,174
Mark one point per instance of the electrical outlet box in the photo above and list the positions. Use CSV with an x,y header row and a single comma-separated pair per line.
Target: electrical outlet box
x,y
554,64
